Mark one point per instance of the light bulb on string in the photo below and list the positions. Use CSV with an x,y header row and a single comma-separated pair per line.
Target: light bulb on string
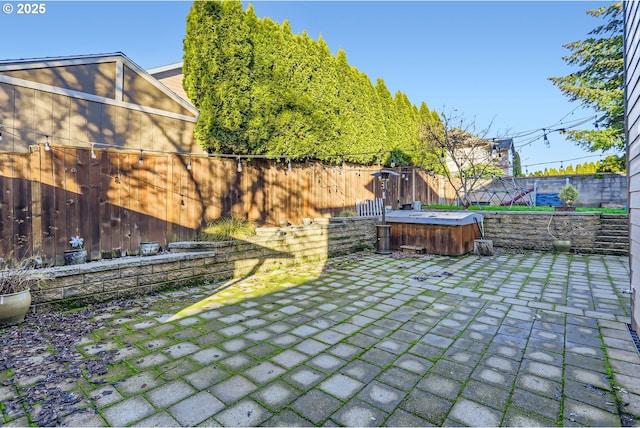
x,y
289,167
189,165
93,152
47,147
140,160
0,133
239,169
546,139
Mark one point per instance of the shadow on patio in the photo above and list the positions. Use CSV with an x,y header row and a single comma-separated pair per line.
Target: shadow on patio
x,y
531,339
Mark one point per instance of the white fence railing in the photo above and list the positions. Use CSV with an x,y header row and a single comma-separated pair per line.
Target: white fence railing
x,y
369,207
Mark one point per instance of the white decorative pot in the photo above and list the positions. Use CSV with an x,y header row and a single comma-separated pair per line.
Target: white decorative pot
x,y
13,307
150,248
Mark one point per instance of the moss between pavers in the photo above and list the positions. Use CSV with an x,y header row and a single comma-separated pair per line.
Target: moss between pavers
x,y
175,369
115,373
262,350
5,374
134,337
162,329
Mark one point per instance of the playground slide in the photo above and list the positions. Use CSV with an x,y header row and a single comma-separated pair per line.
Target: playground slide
x,y
518,197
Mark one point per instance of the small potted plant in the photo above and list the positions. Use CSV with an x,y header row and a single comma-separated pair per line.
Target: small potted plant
x,y
78,255
15,290
568,195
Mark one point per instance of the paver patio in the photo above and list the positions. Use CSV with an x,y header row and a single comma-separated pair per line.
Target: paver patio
x,y
517,339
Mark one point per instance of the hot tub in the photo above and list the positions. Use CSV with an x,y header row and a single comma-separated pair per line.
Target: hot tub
x,y
448,233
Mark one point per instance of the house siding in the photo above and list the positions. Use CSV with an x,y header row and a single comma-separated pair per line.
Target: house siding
x,y
172,79
96,79
632,111
57,101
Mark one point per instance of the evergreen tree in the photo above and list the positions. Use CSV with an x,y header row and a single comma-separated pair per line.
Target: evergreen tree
x,y
612,164
217,65
517,165
599,81
263,90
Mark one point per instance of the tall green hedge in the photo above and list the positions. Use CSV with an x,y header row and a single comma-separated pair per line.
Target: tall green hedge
x,y
263,90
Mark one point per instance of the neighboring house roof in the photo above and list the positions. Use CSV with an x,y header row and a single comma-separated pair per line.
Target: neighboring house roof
x,y
171,76
473,149
164,68
506,144
110,78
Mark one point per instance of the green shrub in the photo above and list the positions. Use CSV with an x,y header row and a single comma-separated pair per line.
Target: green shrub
x,y
348,213
568,194
227,229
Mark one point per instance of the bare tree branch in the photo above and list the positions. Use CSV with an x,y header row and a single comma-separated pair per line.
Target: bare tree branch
x,y
465,157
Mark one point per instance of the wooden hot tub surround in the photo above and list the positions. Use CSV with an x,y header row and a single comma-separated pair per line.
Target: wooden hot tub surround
x,y
443,233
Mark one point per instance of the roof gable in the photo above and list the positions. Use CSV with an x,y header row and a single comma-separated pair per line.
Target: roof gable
x,y
109,78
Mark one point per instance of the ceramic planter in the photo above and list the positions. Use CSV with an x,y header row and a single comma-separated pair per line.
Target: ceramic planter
x,y
13,307
562,245
75,257
150,248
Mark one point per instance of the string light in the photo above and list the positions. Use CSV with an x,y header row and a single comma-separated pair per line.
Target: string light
x,y
140,160
289,167
239,169
568,125
0,132
189,165
93,152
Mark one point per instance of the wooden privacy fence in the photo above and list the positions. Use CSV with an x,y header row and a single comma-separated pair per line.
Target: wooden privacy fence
x,y
118,199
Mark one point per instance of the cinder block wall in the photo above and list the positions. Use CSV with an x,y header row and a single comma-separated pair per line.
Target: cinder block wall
x,y
187,263
528,231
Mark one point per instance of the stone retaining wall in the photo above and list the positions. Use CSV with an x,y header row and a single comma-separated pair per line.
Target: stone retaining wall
x,y
271,248
528,231
186,263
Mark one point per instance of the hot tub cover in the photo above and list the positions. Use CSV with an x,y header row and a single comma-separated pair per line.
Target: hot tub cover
x,y
447,218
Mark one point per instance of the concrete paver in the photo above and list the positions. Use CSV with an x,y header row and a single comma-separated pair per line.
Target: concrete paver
x,y
372,340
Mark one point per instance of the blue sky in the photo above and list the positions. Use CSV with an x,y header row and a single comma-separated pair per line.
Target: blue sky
x,y
488,61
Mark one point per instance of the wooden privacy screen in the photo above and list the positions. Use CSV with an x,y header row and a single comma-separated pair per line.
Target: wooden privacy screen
x,y
114,201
